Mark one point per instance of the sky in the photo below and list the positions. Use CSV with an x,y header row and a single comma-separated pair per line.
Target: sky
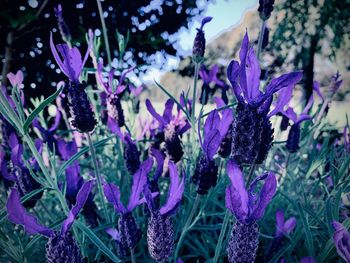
x,y
225,13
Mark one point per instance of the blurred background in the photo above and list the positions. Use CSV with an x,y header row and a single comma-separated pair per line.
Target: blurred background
x,y
311,35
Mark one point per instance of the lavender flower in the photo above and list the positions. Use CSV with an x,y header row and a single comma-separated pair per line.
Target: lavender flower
x,y
199,42
206,171
307,260
72,65
25,183
128,234
48,135
61,246
62,26
248,208
252,133
160,232
341,239
114,92
74,181
265,8
172,128
209,77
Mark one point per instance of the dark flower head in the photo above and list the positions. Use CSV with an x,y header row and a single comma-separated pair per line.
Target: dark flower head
x,y
244,203
160,232
252,133
61,245
173,128
128,232
64,30
199,42
341,238
265,8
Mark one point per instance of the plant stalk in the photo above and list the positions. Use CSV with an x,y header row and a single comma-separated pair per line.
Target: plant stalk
x,y
221,236
104,30
261,38
133,258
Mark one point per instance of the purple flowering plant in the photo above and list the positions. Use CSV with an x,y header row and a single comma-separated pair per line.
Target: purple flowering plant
x,y
108,173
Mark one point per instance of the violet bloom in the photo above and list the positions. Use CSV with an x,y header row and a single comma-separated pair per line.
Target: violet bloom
x,y
74,181
206,171
265,8
341,238
308,260
61,246
25,183
62,26
283,228
248,207
172,128
72,65
113,98
128,233
252,133
199,42
209,77
160,231
48,135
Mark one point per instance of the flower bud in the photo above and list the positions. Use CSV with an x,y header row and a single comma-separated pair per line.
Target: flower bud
x,y
62,26
199,42
293,138
130,234
265,8
205,175
173,144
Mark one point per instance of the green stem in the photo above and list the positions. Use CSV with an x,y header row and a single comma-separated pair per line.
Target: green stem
x,y
186,227
104,30
221,236
194,95
132,252
261,37
98,176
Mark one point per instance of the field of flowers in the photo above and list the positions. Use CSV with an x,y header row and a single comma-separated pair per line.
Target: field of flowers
x,y
245,177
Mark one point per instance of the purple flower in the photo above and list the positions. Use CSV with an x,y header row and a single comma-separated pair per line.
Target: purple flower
x,y
265,8
160,231
248,207
173,127
61,246
284,227
16,80
129,233
215,130
341,239
113,99
48,135
209,77
72,64
199,42
307,260
252,133
62,26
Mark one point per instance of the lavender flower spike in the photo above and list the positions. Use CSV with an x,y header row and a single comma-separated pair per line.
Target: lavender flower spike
x,y
128,231
248,207
252,133
265,8
199,42
64,30
160,232
341,239
61,246
72,65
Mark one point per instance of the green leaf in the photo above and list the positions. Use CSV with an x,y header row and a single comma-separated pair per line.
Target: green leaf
x,y
80,153
38,109
97,242
308,234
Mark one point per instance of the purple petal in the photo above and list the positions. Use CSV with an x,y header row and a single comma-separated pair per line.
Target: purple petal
x,y
160,163
309,104
73,179
90,43
17,214
236,195
138,184
303,117
289,225
212,122
81,198
57,121
205,20
100,77
149,198
279,222
204,75
112,194
67,149
266,194
57,57
316,87
232,74
113,125
341,238
15,80
243,56
290,113
307,260
175,191
283,99
154,113
167,114
252,68
113,233
285,80
72,60
211,143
